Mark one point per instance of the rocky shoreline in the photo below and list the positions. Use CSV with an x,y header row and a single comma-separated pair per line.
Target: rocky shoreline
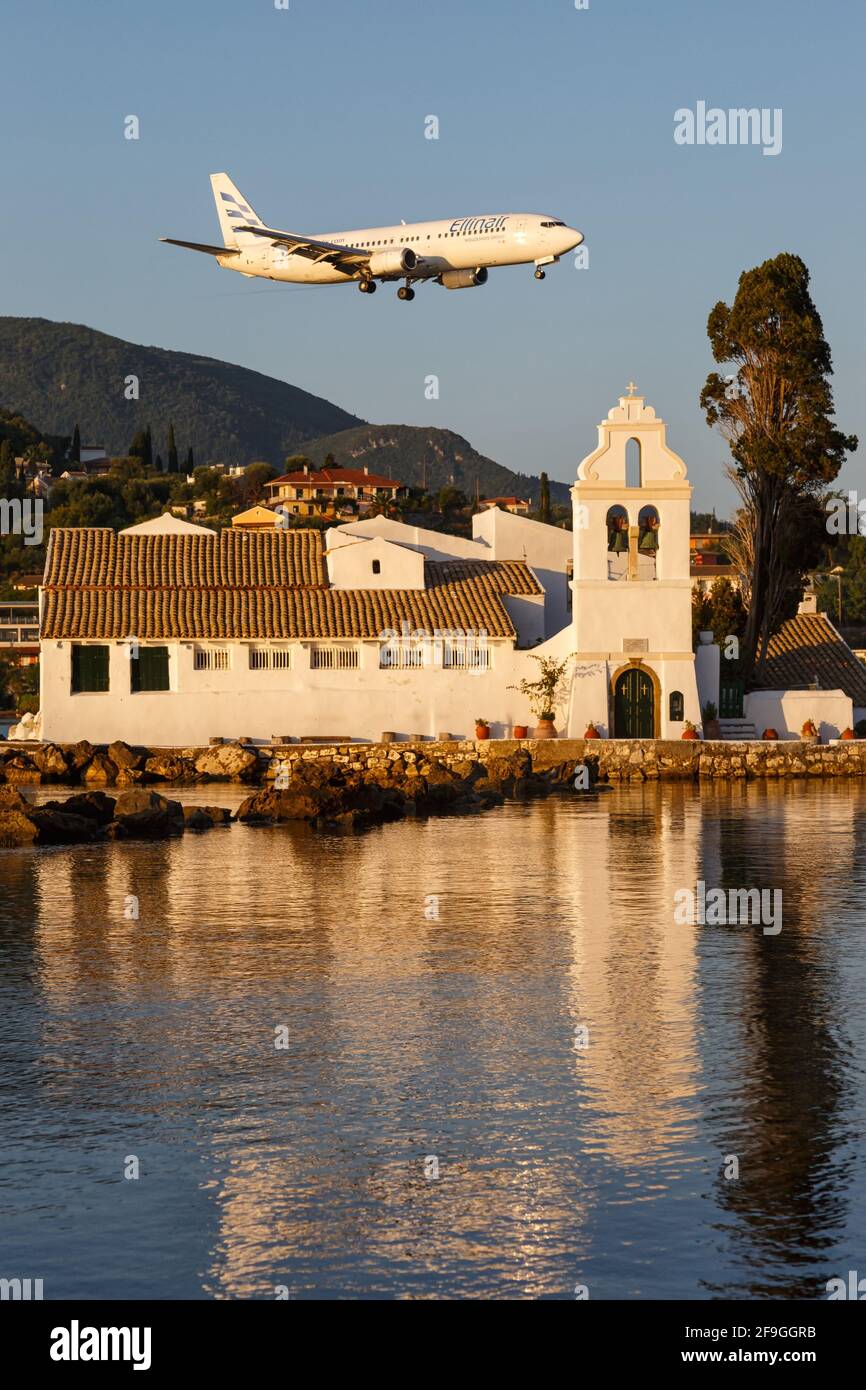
x,y
352,786
136,814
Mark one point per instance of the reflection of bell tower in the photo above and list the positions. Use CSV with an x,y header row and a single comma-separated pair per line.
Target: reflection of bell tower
x,y
632,590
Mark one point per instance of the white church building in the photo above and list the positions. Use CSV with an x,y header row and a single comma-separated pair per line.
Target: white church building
x,y
169,634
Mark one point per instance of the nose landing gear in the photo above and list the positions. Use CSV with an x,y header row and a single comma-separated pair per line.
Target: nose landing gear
x,y
540,275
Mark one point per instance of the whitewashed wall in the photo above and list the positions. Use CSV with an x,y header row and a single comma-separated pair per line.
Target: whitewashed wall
x,y
360,704
786,711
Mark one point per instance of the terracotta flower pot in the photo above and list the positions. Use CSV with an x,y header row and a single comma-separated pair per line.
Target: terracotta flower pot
x,y
592,732
769,734
690,734
847,733
482,731
545,728
520,731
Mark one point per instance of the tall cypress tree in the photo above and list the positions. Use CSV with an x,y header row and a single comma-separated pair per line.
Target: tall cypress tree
x,y
173,462
190,460
776,412
75,446
544,503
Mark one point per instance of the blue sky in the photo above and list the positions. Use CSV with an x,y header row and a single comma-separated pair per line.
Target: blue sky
x,y
317,112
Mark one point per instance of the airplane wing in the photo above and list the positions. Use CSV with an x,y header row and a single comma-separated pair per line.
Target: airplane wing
x,y
200,246
346,258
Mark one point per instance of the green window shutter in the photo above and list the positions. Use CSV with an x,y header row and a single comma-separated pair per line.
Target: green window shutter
x,y
89,670
150,669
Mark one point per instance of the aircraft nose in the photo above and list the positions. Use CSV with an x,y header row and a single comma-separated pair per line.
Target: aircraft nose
x,y
571,238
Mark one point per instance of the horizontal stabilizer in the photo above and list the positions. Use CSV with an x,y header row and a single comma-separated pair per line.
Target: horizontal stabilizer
x,y
200,246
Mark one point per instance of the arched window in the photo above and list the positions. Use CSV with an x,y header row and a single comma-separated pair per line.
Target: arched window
x,y
617,530
648,531
677,707
633,464
617,543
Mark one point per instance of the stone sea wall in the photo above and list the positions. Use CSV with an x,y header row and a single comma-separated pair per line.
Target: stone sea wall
x,y
609,761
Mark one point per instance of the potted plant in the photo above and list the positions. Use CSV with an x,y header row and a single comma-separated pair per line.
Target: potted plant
x,y
847,734
712,727
809,732
520,731
591,731
545,695
689,731
769,734
482,729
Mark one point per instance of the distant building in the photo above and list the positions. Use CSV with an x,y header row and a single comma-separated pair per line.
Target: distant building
x,y
708,561
518,506
19,631
256,519
313,492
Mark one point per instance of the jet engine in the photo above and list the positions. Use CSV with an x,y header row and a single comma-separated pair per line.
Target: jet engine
x,y
463,279
398,261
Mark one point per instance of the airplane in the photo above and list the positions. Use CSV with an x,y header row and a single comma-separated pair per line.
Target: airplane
x,y
456,254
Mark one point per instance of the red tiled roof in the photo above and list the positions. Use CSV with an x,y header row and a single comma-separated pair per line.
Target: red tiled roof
x,y
253,584
807,649
356,477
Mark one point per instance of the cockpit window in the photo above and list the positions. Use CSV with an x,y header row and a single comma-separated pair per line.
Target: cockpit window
x,y
553,224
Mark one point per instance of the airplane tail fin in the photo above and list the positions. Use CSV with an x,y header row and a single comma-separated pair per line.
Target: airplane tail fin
x,y
233,211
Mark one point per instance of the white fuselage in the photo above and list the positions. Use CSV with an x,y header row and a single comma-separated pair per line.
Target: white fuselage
x,y
512,238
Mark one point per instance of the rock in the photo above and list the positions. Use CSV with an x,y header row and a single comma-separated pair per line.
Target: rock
x,y
21,769
58,827
125,757
271,807
147,813
92,806
100,770
51,762
197,818
130,777
16,829
12,800
171,767
79,755
228,762
220,815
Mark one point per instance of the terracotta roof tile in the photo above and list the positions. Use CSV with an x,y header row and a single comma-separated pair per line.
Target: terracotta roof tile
x,y
808,648
252,585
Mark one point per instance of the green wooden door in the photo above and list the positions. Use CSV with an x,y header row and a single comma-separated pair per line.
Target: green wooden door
x,y
731,699
634,713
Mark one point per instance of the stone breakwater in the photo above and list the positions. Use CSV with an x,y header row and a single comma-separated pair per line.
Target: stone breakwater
x,y
351,786
608,760
136,814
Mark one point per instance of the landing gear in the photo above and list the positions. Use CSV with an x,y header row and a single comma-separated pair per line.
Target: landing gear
x,y
367,286
540,275
405,292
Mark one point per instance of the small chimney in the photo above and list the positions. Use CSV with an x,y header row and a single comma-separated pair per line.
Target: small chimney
x,y
366,470
306,469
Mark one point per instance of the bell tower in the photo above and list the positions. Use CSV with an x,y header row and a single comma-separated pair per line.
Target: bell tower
x,y
632,591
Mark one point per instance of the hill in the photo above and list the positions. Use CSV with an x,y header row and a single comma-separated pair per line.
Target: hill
x,y
419,455
60,373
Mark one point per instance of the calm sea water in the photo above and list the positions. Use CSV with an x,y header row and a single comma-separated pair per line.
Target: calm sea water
x,y
410,1039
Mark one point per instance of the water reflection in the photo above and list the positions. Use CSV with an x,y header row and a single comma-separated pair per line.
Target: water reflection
x,y
407,1037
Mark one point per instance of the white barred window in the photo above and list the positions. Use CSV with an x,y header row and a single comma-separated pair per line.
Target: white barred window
x,y
466,654
270,658
328,658
404,655
212,659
